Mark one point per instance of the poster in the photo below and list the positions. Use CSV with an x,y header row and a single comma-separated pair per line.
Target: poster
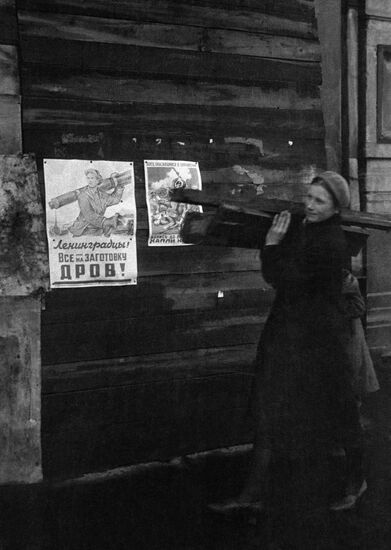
x,y
90,222
165,217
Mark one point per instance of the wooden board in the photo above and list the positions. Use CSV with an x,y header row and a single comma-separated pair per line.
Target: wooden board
x,y
20,393
9,75
75,453
96,339
378,8
142,120
8,25
114,31
145,369
126,403
167,293
272,17
23,255
262,207
147,61
10,123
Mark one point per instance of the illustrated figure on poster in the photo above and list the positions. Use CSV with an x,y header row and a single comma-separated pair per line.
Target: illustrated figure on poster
x,y
93,201
164,212
165,217
91,219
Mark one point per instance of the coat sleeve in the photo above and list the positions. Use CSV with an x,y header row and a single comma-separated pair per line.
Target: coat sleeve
x,y
114,197
317,265
352,303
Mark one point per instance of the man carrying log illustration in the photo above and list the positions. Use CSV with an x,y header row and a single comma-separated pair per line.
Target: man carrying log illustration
x,y
93,200
93,203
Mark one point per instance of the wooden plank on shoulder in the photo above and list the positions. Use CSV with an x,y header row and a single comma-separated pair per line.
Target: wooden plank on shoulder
x,y
261,207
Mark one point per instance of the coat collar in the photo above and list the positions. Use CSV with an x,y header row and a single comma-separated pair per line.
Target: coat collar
x,y
332,221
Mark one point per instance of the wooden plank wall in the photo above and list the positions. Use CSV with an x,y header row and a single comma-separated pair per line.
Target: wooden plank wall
x,y
376,186
10,115
164,368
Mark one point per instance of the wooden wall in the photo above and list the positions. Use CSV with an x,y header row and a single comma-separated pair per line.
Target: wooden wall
x,y
23,270
164,368
10,115
375,172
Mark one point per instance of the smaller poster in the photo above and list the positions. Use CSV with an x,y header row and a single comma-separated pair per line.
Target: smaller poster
x,y
90,222
164,216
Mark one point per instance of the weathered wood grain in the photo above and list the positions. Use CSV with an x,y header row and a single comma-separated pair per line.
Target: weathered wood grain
x,y
184,37
10,124
8,23
9,75
172,63
378,176
240,290
375,150
331,89
23,252
262,207
120,338
73,453
296,19
378,32
143,369
101,87
84,117
126,403
255,161
378,8
20,392
163,368
181,387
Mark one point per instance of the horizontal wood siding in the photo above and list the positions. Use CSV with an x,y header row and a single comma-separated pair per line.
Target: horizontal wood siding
x,y
10,112
8,25
164,367
377,162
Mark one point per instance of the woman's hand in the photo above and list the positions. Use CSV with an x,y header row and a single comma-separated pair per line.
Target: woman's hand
x,y
278,228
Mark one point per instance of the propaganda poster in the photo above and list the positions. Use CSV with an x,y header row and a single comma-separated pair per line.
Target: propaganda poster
x,y
165,217
91,222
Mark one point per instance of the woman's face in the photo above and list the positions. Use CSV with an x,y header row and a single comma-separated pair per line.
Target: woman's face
x,y
92,179
319,204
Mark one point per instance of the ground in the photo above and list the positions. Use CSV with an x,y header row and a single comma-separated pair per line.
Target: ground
x,y
163,506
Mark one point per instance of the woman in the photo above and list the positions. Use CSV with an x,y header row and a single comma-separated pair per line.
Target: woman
x,y
303,399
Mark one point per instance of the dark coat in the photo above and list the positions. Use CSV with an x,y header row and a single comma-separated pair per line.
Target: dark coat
x,y
303,395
